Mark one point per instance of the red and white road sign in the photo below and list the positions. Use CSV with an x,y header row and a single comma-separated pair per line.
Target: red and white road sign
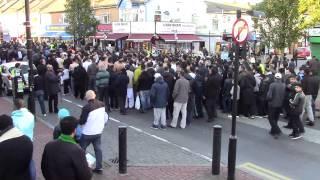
x,y
240,31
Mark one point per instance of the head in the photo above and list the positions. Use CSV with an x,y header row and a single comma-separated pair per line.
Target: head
x,y
298,87
68,125
292,79
157,76
278,76
18,104
90,95
49,67
5,122
63,113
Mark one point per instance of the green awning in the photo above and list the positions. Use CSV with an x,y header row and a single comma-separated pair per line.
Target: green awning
x,y
314,39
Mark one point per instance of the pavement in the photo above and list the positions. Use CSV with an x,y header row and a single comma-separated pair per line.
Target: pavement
x,y
148,163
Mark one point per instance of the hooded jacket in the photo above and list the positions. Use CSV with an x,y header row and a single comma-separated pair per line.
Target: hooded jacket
x,y
159,93
24,121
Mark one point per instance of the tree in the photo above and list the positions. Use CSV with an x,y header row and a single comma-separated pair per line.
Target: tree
x,y
80,17
282,25
311,8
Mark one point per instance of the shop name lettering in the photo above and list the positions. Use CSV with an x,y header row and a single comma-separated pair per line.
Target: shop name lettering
x,y
178,25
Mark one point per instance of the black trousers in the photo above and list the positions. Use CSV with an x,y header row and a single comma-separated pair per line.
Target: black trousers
x,y
113,98
169,109
66,85
122,102
296,123
103,94
274,114
53,99
199,108
79,89
211,107
190,109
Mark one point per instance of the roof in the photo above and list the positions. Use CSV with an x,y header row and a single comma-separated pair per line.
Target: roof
x,y
6,5
15,7
139,37
104,3
217,6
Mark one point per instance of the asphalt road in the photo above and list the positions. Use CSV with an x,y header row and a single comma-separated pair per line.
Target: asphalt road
x,y
257,152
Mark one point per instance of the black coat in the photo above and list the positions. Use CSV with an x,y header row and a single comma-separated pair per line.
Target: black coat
x,y
145,81
212,86
52,83
15,157
62,160
247,84
121,84
39,83
80,76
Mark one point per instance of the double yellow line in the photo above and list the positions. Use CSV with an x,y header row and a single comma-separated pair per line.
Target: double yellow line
x,y
262,172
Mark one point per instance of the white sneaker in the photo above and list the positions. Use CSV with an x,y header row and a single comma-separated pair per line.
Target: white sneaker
x,y
45,115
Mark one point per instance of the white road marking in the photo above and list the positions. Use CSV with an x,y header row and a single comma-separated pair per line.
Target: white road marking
x,y
153,136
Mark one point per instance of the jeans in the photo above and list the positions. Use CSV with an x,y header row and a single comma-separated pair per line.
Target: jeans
x,y
40,95
198,101
177,107
66,85
226,104
53,98
274,114
129,98
32,169
92,83
308,108
159,116
86,140
145,100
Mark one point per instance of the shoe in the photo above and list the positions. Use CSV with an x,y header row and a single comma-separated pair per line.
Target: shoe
x,y
163,127
296,137
154,127
44,115
97,171
302,132
310,123
210,120
252,117
291,135
266,116
171,126
287,127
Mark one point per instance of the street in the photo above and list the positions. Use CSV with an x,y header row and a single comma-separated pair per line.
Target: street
x,y
258,153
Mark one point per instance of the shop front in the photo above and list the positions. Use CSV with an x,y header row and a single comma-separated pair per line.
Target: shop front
x,y
57,32
314,39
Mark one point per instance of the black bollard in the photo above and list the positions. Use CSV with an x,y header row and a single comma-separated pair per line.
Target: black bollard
x,y
216,150
232,157
122,149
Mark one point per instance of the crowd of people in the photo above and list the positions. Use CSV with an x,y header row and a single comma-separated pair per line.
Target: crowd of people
x,y
178,87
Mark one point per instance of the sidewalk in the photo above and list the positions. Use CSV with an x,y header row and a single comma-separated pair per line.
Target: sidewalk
x,y
43,134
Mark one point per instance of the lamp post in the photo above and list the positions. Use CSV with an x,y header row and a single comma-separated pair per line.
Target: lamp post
x,y
31,102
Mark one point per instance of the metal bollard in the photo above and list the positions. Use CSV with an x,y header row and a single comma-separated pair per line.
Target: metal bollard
x,y
122,149
232,157
216,150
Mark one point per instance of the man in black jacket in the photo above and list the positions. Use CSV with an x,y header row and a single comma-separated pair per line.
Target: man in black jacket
x,y
211,93
63,158
15,151
309,86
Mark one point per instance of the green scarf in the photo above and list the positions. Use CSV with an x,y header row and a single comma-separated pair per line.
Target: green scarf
x,y
67,138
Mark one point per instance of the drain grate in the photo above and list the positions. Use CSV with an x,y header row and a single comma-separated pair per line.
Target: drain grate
x,y
114,161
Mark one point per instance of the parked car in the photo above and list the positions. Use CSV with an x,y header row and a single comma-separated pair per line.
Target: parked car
x,y
7,78
303,52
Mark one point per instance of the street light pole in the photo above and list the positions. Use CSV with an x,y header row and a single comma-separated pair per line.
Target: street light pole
x,y
233,138
31,102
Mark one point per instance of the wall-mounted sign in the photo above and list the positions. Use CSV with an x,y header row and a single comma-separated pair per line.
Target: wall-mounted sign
x,y
171,28
314,32
104,28
121,27
56,28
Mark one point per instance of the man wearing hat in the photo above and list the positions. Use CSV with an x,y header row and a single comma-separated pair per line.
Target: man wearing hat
x,y
93,119
275,97
159,95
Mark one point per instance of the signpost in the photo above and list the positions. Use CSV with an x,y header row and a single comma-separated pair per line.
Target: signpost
x,y
239,34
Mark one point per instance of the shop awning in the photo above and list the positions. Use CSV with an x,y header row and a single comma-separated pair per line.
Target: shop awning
x,y
139,37
188,38
111,36
63,35
180,37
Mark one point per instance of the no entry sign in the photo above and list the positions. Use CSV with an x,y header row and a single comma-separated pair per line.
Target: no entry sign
x,y
240,31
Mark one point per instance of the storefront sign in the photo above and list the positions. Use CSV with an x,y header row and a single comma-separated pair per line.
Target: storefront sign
x,y
104,28
179,28
56,28
121,27
314,32
142,27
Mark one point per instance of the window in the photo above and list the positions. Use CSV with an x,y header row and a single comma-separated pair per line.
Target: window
x,y
215,24
105,19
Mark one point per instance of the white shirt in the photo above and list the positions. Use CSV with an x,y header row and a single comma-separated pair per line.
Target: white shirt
x,y
86,64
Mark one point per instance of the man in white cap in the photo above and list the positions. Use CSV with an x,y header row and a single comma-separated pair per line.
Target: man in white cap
x,y
93,119
159,95
275,98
